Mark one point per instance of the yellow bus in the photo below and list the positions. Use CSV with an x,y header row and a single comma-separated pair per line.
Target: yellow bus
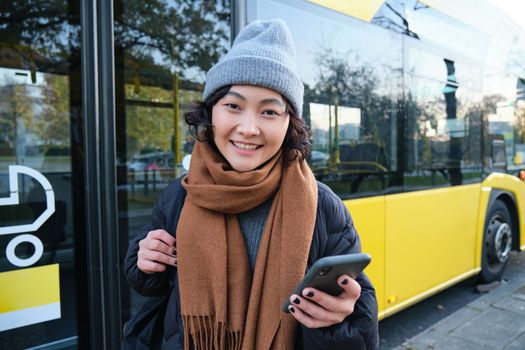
x,y
417,110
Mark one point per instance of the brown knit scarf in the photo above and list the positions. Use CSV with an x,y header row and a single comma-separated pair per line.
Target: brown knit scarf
x,y
221,307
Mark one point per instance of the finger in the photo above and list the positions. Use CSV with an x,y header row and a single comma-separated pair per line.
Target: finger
x,y
150,267
318,312
350,286
325,300
163,236
306,319
160,246
152,243
156,256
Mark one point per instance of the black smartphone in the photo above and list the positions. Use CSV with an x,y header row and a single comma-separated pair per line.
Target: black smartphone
x,y
324,273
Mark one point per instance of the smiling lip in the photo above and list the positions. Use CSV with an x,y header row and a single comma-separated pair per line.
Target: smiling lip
x,y
244,146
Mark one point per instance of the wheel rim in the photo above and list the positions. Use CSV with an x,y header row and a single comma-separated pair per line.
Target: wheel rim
x,y
503,242
499,241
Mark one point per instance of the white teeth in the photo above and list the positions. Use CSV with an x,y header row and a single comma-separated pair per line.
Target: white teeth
x,y
245,146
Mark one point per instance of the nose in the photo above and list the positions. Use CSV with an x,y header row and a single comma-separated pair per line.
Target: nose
x,y
248,125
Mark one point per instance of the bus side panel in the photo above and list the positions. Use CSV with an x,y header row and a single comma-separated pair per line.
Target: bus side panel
x,y
482,212
369,219
515,186
430,237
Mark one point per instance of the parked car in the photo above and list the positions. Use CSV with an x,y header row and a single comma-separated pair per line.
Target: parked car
x,y
155,164
318,158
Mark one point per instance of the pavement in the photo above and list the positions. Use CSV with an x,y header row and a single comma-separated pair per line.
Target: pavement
x,y
494,321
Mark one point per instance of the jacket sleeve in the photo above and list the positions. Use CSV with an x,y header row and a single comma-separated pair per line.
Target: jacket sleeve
x,y
338,236
147,284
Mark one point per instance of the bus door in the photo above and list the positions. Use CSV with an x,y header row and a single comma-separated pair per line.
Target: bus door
x,y
431,226
429,239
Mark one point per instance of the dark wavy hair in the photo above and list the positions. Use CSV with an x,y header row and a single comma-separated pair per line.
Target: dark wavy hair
x,y
296,144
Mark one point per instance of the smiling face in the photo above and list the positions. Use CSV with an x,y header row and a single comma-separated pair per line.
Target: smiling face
x,y
249,125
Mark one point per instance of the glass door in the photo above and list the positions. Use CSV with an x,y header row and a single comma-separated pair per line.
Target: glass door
x,y
162,52
40,173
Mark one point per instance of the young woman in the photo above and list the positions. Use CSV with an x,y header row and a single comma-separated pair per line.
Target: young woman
x,y
230,241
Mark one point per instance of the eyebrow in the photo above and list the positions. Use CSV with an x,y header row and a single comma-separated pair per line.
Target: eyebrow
x,y
270,100
273,101
236,94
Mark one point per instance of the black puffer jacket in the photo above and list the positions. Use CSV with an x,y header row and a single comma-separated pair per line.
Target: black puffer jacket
x,y
334,235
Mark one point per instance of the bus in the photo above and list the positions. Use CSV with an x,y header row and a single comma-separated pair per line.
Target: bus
x,y
417,112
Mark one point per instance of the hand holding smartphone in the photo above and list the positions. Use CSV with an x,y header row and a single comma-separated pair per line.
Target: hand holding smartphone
x,y
324,273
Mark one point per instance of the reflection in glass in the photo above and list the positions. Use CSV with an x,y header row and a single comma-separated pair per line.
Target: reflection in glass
x,y
40,129
162,52
443,137
414,98
352,91
391,15
353,125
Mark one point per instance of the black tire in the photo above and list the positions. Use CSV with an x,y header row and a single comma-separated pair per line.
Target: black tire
x,y
497,242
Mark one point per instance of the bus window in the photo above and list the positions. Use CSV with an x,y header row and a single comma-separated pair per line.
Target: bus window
x,y
353,90
444,128
412,105
504,117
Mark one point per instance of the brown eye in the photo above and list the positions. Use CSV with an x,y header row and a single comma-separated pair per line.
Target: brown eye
x,y
232,106
270,113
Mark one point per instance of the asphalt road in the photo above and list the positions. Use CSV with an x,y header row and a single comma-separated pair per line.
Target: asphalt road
x,y
395,329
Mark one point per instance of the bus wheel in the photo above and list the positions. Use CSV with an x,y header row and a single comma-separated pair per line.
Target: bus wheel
x,y
497,242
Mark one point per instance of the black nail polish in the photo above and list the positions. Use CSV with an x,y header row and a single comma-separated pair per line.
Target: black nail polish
x,y
345,282
310,294
297,301
292,309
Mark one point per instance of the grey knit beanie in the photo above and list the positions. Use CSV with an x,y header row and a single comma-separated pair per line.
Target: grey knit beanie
x,y
263,54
